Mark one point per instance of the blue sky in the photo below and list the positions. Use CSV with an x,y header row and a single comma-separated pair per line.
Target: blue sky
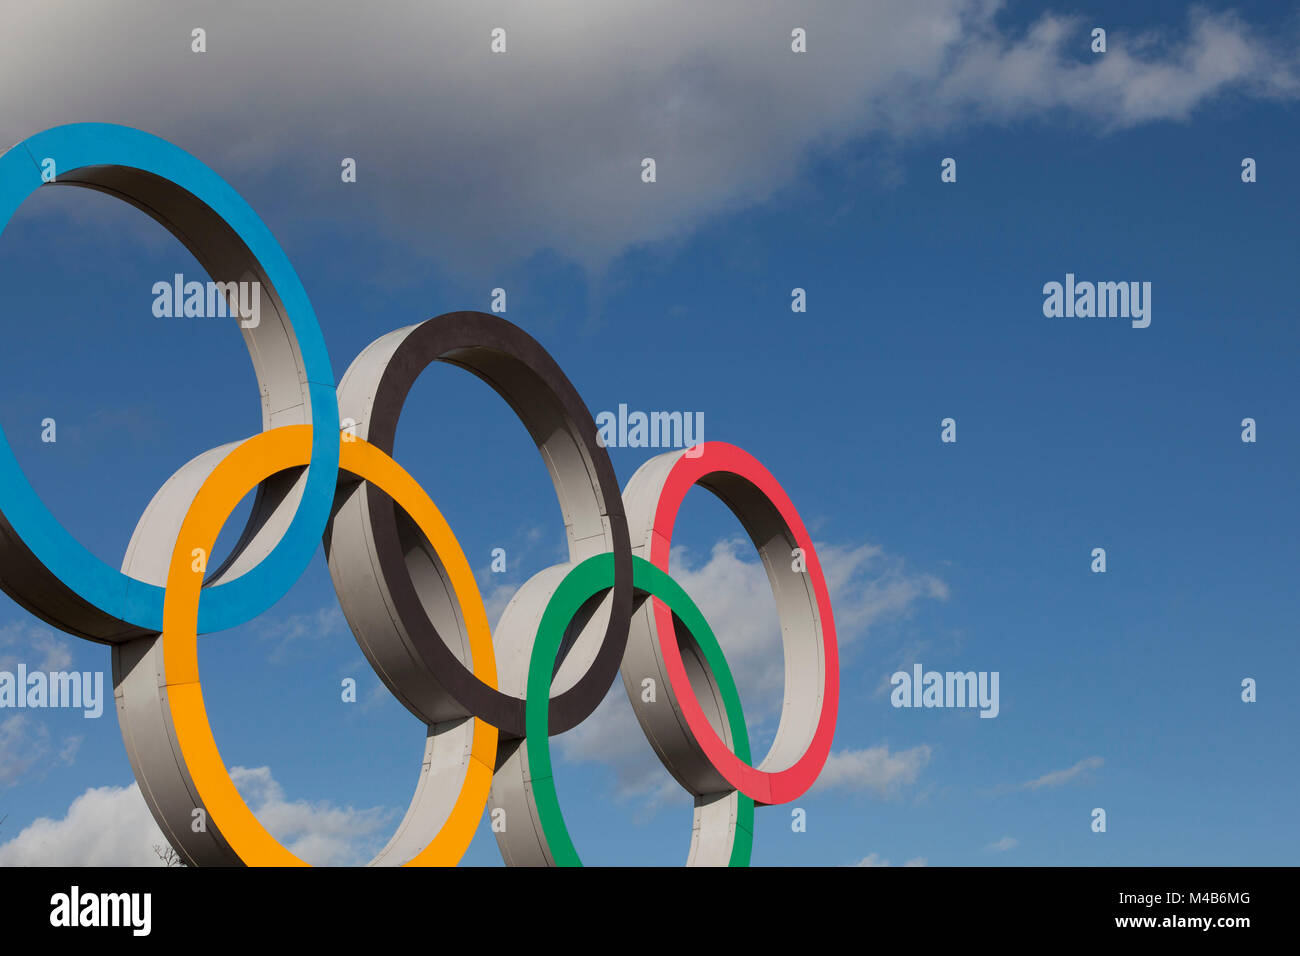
x,y
1118,690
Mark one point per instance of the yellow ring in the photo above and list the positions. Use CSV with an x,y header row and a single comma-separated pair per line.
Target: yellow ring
x,y
254,461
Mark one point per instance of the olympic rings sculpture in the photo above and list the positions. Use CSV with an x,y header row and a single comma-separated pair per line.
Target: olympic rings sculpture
x,y
490,699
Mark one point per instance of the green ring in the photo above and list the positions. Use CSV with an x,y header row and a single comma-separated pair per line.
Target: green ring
x,y
579,585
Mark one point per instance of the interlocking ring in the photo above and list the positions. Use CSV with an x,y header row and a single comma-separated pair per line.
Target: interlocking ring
x,y
383,558
490,701
47,570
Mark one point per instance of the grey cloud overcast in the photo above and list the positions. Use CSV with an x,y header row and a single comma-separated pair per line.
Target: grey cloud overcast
x,y
543,151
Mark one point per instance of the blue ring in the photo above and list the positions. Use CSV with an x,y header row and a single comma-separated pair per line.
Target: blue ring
x,y
108,589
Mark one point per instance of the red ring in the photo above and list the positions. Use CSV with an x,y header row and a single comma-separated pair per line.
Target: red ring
x,y
766,787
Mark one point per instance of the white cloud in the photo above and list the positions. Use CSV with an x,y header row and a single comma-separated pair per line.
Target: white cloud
x,y
1141,77
68,751
25,747
1001,846
612,737
297,633
26,744
867,587
40,648
105,826
539,148
1058,777
874,770
318,832
732,590
874,859
496,597
112,826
